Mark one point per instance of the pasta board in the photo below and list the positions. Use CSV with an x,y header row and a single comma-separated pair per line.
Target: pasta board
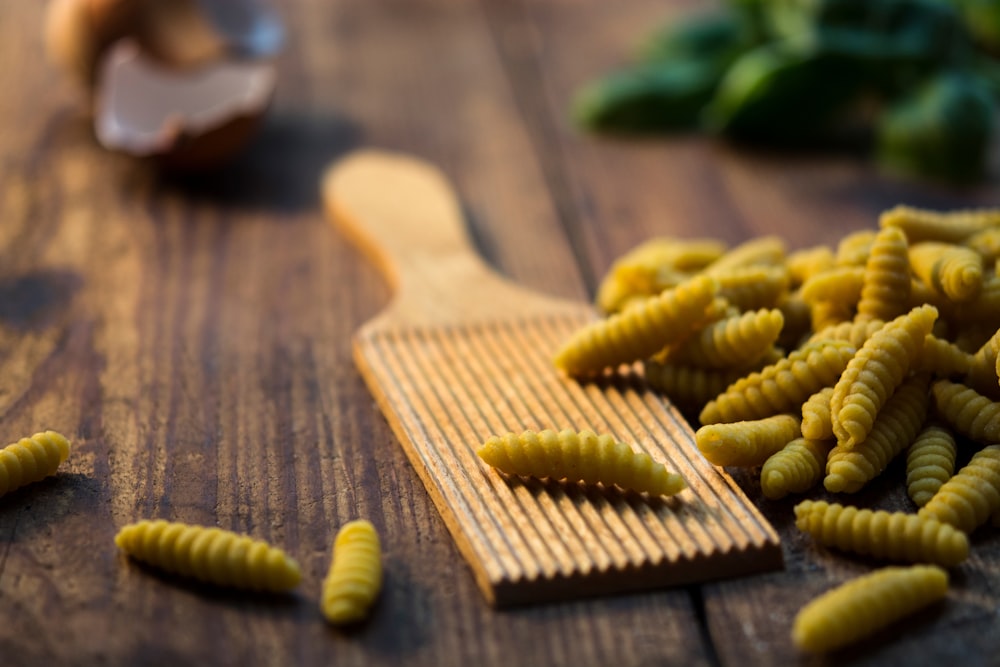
x,y
461,354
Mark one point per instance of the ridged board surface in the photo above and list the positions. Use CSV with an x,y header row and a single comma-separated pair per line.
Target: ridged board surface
x,y
445,389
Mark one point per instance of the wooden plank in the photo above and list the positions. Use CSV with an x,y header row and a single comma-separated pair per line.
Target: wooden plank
x,y
461,355
616,193
192,337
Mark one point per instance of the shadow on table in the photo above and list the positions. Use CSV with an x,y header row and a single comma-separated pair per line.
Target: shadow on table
x,y
31,301
44,504
278,171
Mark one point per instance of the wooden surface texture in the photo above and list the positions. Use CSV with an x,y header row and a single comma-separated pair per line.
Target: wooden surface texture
x,y
192,337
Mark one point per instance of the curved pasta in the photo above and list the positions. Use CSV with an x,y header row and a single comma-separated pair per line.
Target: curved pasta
x,y
798,321
783,386
986,243
875,372
31,460
885,293
895,427
753,287
841,285
797,468
732,342
808,262
211,555
930,462
764,250
853,249
826,314
982,374
816,420
952,270
968,499
579,457
985,308
967,411
638,332
856,332
943,358
355,577
865,605
746,443
689,388
951,227
896,536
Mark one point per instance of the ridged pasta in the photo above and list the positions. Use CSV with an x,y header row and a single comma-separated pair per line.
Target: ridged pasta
x,y
875,372
952,270
951,227
895,536
841,285
781,387
943,358
798,321
688,387
31,460
746,443
853,249
639,332
885,293
579,457
816,420
210,555
651,267
826,314
967,411
764,250
895,428
930,462
986,243
797,468
855,332
753,287
972,496
865,605
732,342
982,374
355,577
984,309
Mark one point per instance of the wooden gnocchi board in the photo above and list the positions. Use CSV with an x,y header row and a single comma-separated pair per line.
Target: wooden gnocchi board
x,y
461,354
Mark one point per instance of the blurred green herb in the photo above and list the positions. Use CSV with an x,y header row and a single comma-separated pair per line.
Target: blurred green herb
x,y
797,71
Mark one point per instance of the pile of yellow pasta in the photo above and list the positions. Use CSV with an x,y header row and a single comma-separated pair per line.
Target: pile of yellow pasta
x,y
821,366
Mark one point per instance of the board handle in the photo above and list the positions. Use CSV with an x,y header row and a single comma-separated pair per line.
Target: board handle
x,y
402,212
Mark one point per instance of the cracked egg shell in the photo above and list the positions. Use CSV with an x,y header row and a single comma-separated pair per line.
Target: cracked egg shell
x,y
187,119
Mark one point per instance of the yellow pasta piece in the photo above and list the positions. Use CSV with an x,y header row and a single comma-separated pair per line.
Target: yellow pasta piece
x,y
951,227
650,268
967,411
639,332
753,287
943,358
781,387
855,332
982,375
816,420
895,536
930,462
885,293
895,427
865,605
971,497
765,250
689,388
986,243
875,372
797,468
746,443
841,285
808,262
355,577
31,460
733,342
579,457
211,555
984,309
952,270
798,321
853,249
826,314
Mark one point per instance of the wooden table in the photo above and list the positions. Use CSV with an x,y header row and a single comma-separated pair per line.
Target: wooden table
x,y
192,338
